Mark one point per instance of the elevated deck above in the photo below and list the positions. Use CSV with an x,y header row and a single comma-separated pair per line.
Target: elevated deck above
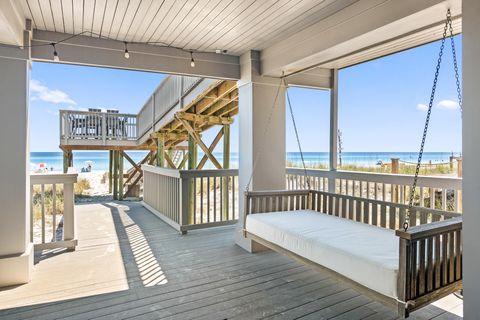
x,y
177,106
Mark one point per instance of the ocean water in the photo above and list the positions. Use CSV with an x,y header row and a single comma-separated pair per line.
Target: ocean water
x,y
54,160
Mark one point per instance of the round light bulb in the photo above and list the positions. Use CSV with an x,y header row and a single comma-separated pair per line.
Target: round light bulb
x,y
192,63
56,58
127,55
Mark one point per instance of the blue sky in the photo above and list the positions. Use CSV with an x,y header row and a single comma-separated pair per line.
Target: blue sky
x,y
381,102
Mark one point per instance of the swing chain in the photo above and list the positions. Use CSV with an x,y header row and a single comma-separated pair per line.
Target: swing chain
x,y
406,223
448,27
305,172
455,65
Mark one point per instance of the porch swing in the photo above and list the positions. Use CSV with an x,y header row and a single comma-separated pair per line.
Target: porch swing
x,y
404,256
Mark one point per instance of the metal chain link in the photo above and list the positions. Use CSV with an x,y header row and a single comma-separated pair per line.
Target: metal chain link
x,y
307,179
406,224
455,65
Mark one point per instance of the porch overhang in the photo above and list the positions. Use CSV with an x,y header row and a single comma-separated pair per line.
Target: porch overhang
x,y
360,32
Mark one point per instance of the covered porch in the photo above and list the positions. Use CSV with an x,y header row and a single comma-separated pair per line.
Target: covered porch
x,y
128,263
131,264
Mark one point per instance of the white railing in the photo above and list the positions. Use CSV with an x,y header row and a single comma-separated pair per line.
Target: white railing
x,y
52,215
97,125
443,193
168,95
191,199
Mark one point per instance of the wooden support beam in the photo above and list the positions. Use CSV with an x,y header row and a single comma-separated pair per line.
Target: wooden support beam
x,y
226,165
115,175
202,145
138,168
215,95
120,175
160,150
169,160
226,146
202,119
110,170
67,160
184,160
126,156
233,97
172,135
215,141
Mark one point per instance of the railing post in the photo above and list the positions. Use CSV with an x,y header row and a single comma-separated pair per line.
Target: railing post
x,y
104,128
403,276
68,213
185,209
395,170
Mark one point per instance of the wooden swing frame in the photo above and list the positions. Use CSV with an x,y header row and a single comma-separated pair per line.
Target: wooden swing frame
x,y
430,251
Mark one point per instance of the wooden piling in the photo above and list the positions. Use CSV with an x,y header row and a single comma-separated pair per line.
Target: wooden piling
x,y
226,165
120,175
160,156
115,175
110,170
192,165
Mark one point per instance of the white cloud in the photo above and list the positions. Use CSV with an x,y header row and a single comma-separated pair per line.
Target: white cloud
x,y
53,112
448,104
422,107
43,93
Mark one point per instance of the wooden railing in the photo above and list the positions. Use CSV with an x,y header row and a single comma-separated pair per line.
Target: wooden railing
x,y
97,125
433,192
168,95
191,199
52,210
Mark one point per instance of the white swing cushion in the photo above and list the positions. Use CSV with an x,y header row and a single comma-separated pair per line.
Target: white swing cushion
x,y
363,253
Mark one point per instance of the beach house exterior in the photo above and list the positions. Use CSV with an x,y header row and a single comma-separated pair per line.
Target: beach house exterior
x,y
225,58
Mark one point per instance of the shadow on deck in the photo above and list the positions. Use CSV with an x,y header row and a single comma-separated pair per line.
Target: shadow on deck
x,y
129,264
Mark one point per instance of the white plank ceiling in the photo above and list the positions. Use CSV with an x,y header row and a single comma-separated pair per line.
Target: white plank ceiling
x,y
207,25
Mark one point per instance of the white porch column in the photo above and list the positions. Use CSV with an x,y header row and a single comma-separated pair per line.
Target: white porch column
x,y
16,251
261,134
471,154
333,127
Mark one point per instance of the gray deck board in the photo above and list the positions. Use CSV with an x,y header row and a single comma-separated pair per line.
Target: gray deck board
x,y
207,277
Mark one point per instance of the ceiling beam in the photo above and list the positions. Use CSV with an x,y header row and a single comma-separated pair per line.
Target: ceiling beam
x,y
93,51
317,78
361,25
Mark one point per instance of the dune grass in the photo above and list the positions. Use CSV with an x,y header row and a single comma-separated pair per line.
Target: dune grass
x,y
425,169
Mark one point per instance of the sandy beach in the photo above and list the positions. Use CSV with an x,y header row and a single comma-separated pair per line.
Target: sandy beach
x,y
98,181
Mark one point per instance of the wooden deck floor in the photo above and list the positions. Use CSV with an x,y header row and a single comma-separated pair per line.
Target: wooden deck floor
x,y
129,264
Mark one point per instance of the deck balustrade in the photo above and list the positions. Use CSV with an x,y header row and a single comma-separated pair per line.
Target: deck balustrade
x,y
443,193
52,216
192,199
102,126
189,199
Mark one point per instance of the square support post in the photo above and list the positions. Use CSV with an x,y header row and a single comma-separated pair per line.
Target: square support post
x,y
16,248
333,128
262,134
471,157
